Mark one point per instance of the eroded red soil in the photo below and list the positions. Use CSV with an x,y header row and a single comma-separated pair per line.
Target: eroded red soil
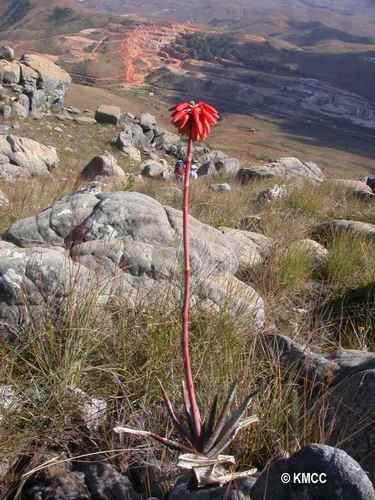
x,y
142,50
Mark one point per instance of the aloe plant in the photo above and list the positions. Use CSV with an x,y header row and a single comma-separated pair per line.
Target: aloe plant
x,y
200,441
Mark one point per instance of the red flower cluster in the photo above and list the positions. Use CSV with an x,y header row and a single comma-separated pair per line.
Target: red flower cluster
x,y
194,119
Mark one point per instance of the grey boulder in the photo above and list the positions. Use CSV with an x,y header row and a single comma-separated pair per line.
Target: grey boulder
x,y
10,71
221,188
154,169
51,78
102,166
252,247
147,121
214,166
6,53
131,136
47,277
314,251
326,231
22,157
132,244
357,189
284,168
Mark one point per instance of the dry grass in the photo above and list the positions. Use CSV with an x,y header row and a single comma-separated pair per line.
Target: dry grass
x,y
119,355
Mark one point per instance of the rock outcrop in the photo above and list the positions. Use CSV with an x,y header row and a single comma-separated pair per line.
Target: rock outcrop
x,y
343,383
31,85
284,168
337,227
127,245
22,157
47,277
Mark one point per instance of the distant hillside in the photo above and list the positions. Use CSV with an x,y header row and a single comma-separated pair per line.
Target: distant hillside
x,y
265,13
46,15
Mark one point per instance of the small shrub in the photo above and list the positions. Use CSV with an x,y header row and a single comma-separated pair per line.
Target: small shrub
x,y
350,263
296,267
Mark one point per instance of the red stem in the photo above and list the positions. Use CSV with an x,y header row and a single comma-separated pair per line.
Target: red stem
x,y
186,309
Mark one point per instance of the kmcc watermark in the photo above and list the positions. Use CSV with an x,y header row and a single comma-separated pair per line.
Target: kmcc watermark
x,y
304,478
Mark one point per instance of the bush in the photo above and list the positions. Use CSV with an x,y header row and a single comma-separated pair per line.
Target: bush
x,y
61,14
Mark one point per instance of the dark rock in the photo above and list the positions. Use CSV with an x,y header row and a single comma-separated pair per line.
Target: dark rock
x,y
338,476
149,478
108,114
370,181
238,490
80,481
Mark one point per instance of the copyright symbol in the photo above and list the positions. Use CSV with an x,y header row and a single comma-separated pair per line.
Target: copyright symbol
x,y
285,478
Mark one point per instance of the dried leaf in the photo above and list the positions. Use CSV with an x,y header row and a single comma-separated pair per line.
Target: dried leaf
x,y
151,435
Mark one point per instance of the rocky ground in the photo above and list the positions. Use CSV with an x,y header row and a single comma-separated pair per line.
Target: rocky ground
x,y
90,291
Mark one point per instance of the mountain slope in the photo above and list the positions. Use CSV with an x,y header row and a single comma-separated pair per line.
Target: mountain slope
x,y
46,15
271,12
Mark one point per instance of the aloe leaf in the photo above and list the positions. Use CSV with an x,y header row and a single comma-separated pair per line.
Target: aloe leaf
x,y
183,430
221,421
231,427
210,423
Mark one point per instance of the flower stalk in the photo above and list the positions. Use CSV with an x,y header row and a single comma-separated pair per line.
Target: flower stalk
x,y
201,442
189,382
